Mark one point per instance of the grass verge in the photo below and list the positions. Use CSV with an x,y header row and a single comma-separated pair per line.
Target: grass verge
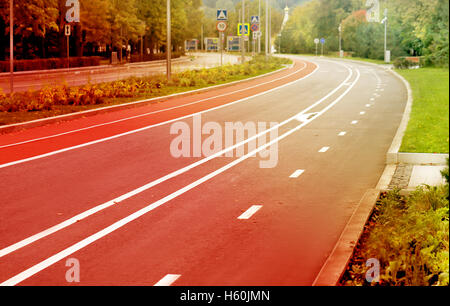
x,y
59,100
428,126
409,237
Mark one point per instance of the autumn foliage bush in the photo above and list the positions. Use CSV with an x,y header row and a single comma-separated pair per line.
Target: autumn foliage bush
x,y
93,94
410,239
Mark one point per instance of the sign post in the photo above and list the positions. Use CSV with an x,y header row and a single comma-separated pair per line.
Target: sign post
x,y
316,41
322,41
222,17
67,31
221,27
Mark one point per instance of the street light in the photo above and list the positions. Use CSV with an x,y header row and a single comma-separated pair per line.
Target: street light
x,y
385,21
267,28
279,35
11,45
242,33
169,43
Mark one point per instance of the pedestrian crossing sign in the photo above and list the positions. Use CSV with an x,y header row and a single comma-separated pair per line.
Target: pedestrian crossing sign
x,y
222,15
243,29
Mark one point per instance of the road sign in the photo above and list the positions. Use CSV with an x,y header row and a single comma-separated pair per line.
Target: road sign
x,y
255,19
322,41
221,26
316,41
255,35
255,27
67,29
243,29
222,15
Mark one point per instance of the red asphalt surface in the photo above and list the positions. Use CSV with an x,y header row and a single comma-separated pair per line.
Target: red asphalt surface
x,y
196,234
227,94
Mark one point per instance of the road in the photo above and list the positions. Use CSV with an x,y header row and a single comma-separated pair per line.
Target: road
x,y
109,192
24,81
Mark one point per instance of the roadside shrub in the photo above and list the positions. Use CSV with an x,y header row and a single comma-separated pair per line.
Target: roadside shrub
x,y
92,94
410,239
403,63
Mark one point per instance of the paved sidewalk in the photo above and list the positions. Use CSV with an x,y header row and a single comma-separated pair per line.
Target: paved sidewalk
x,y
409,177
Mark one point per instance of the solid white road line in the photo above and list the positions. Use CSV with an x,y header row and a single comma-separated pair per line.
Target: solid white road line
x,y
89,240
342,133
297,173
153,112
250,212
324,149
151,126
132,193
167,280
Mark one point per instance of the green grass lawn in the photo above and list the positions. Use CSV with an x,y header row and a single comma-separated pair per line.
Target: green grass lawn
x,y
428,127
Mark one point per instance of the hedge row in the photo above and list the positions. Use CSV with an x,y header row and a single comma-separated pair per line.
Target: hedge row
x,y
91,94
50,63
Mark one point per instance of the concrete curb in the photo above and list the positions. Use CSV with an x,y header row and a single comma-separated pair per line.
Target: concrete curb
x,y
335,265
392,157
66,117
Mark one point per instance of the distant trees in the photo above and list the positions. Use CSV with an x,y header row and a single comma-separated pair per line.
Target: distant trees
x,y
39,25
419,27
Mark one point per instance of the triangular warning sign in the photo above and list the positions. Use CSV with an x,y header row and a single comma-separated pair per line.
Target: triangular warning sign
x,y
255,19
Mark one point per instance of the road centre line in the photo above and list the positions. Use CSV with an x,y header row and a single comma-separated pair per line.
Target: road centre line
x,y
297,173
134,192
324,149
167,280
151,126
250,212
153,112
102,233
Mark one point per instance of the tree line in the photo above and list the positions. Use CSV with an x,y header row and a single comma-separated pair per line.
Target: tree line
x,y
112,25
415,28
104,25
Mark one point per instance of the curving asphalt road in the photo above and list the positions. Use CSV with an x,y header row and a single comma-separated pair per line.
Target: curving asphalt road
x,y
107,191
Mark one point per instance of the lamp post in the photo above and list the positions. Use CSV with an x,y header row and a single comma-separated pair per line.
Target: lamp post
x,y
267,29
259,32
385,21
11,45
169,43
242,34
279,35
270,29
